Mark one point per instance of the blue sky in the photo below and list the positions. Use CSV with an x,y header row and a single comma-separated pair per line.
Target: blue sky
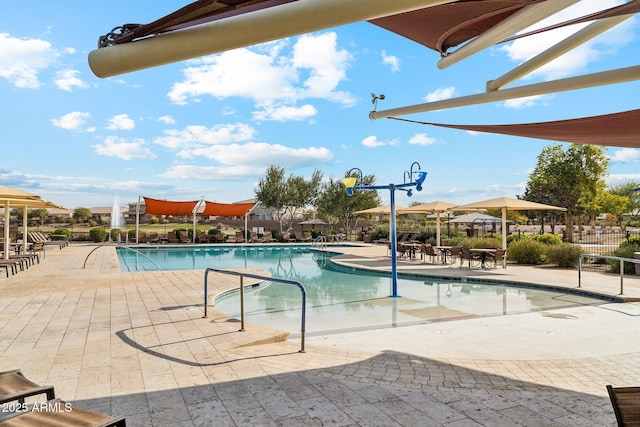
x,y
210,126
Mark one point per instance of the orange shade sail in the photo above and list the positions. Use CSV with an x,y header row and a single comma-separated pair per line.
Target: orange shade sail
x,y
227,209
166,207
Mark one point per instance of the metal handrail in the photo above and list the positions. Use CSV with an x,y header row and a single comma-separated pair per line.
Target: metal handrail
x,y
621,259
256,276
320,240
120,246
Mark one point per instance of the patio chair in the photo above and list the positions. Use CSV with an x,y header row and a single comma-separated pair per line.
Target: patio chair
x,y
240,237
497,257
467,255
456,251
57,412
203,237
172,237
12,264
626,405
14,386
37,248
428,251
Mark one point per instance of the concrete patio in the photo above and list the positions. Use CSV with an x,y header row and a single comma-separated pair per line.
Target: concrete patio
x,y
137,345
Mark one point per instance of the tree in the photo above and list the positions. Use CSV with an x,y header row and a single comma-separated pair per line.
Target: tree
x,y
571,179
334,204
82,214
633,200
286,197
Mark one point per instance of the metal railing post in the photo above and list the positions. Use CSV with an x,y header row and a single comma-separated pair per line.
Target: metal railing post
x,y
617,258
265,278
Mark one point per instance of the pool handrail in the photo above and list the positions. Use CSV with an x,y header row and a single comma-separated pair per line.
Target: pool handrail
x,y
621,259
320,240
257,276
120,246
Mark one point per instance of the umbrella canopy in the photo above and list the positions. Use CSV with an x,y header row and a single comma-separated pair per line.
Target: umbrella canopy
x,y
475,217
380,210
16,198
436,206
507,203
314,221
504,204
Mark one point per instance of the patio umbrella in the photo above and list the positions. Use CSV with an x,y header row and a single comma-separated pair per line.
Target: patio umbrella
x,y
505,204
379,210
13,197
437,207
312,222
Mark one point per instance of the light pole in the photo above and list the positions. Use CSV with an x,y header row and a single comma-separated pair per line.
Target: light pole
x,y
415,178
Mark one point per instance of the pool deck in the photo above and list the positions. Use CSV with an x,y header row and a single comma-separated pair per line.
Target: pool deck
x,y
137,345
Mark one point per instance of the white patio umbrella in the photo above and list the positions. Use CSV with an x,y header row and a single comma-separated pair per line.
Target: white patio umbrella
x,y
505,204
436,206
13,197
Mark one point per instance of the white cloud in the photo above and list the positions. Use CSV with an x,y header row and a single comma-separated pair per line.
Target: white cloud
x,y
121,122
422,139
314,68
391,60
213,173
120,148
193,137
373,142
577,59
285,113
522,103
625,155
22,59
67,80
440,94
258,154
71,121
167,120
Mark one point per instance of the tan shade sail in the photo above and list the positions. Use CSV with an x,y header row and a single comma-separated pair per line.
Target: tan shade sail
x,y
165,207
507,203
618,129
227,209
437,206
379,210
14,193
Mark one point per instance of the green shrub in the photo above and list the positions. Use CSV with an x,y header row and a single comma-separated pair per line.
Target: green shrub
x,y
564,254
527,251
277,235
625,250
515,237
98,234
62,232
548,239
115,234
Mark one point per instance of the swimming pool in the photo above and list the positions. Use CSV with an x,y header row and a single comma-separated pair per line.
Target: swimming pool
x,y
339,300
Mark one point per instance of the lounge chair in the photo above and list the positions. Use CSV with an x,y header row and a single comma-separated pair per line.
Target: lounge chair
x,y
57,412
305,237
203,237
183,237
172,237
626,405
12,264
240,237
288,237
14,386
268,237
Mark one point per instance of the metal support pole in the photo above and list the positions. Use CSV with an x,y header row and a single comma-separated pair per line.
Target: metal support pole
x,y
394,243
241,302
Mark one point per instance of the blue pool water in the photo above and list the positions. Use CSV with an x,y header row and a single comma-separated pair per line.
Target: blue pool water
x,y
338,300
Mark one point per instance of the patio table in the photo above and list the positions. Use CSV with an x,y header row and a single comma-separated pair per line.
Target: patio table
x,y
483,254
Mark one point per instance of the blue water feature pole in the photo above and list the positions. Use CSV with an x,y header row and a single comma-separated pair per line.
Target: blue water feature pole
x,y
415,179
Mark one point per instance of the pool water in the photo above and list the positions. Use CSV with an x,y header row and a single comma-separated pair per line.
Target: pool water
x,y
338,300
